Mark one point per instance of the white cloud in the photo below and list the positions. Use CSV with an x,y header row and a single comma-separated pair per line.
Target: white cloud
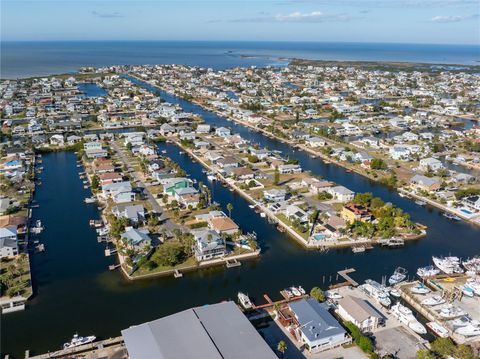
x,y
107,15
453,18
297,16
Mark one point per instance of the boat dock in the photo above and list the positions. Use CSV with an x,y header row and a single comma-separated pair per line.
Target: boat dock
x,y
231,263
177,274
270,303
114,266
103,348
345,275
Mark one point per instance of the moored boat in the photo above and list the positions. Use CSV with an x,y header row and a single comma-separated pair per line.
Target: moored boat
x,y
420,288
244,300
428,271
405,315
437,329
398,276
78,340
433,301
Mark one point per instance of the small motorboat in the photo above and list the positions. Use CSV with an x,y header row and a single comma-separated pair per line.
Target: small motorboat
x,y
399,275
468,291
333,294
288,293
77,341
469,330
420,288
244,300
359,249
395,293
460,321
437,329
433,301
302,291
428,271
450,312
451,216
295,291
421,203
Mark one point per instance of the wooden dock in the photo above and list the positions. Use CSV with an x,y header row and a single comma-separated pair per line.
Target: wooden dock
x,y
345,275
177,274
232,263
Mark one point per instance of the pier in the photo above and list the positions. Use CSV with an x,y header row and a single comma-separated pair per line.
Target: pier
x,y
345,275
231,263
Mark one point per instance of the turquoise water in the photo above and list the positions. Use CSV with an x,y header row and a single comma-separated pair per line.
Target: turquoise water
x,y
23,59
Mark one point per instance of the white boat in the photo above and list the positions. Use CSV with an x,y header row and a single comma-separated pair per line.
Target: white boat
x,y
469,330
451,216
90,200
421,203
450,312
472,265
377,292
263,215
77,341
360,249
474,285
468,291
460,321
433,301
295,291
448,265
288,293
405,315
437,329
395,292
334,295
211,178
420,288
398,276
244,300
428,271
302,291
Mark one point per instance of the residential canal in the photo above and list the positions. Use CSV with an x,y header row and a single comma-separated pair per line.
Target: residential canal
x,y
75,292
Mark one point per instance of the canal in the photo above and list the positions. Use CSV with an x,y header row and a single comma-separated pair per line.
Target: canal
x,y
75,292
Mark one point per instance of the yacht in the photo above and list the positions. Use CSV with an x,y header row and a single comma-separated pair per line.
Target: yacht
x,y
469,330
472,265
295,291
432,301
437,329
448,265
398,276
395,292
450,312
420,288
474,285
377,291
460,321
405,315
360,249
421,203
302,291
244,300
428,271
451,216
77,341
333,294
468,291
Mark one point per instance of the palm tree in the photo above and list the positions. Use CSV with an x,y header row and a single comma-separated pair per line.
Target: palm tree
x,y
229,209
282,347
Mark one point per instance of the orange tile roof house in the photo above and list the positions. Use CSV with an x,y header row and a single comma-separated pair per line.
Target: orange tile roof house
x,y
353,212
223,225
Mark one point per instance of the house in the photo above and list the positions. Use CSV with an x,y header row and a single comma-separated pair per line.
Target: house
x,y
137,239
109,190
260,153
275,195
295,213
430,164
124,196
172,185
5,204
360,312
203,128
425,183
472,202
341,193
316,142
12,165
134,213
289,168
187,196
242,173
146,150
214,331
8,241
92,146
167,130
110,177
227,162
354,212
223,132
57,140
208,244
223,225
71,140
316,327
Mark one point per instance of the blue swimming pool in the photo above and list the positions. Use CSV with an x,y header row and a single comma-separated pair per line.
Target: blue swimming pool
x,y
319,237
465,211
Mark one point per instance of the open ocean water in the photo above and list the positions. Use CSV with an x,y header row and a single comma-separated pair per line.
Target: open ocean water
x,y
25,59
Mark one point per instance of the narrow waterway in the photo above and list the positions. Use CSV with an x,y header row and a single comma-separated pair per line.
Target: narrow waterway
x,y
75,292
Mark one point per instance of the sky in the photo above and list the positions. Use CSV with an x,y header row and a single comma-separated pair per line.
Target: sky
x,y
391,21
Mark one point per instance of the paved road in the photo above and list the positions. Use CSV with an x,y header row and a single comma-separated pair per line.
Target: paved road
x,y
166,221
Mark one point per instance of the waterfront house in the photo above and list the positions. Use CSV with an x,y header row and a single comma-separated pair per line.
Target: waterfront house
x,y
315,327
57,140
188,196
146,150
71,140
223,225
316,142
472,202
275,195
360,312
109,190
222,132
110,177
12,165
102,165
137,239
134,213
289,168
260,153
430,164
167,130
171,185
203,128
124,196
8,241
208,244
425,183
227,162
241,173
294,212
354,212
341,193
155,165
